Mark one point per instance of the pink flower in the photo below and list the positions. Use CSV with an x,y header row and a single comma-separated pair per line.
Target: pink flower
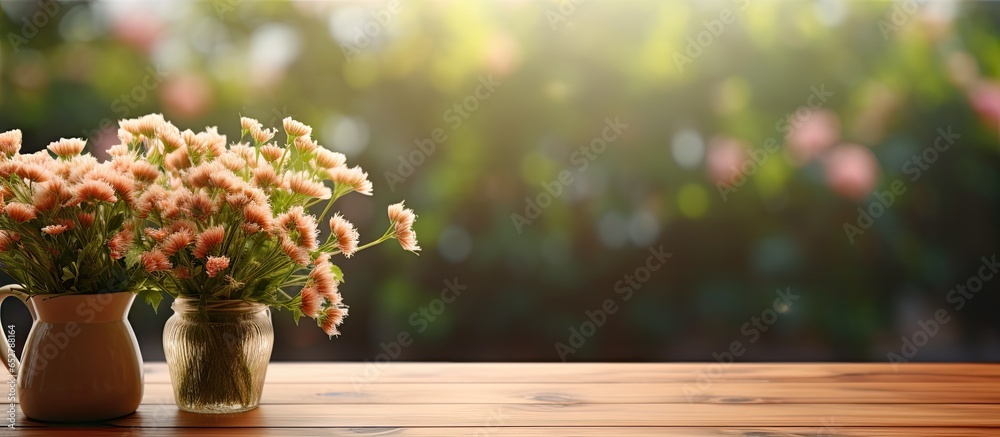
x,y
94,191
50,194
398,212
265,176
182,272
295,128
725,156
312,301
178,160
10,142
67,223
296,220
124,137
144,171
67,148
985,99
333,318
8,239
202,206
174,203
183,225
402,220
145,125
208,241
851,170
122,183
121,243
347,236
245,152
39,157
154,261
150,200
54,229
20,212
86,219
354,178
232,161
328,159
80,167
259,215
302,183
213,142
170,136
299,255
248,124
33,172
271,153
216,264
156,235
261,136
237,200
201,175
256,195
177,241
225,180
808,138
305,144
9,167
118,151
322,278
407,238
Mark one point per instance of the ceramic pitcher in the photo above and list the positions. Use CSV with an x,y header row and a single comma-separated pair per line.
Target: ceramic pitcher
x,y
80,360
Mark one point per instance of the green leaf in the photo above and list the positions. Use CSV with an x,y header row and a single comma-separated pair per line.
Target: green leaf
x,y
68,274
296,315
152,297
133,256
337,273
116,221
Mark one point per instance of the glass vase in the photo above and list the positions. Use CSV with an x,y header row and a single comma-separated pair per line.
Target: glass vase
x,y
218,354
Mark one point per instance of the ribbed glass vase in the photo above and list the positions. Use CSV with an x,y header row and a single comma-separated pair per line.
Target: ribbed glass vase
x,y
218,354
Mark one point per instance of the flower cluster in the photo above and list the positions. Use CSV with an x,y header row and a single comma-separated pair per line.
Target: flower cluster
x,y
65,217
232,221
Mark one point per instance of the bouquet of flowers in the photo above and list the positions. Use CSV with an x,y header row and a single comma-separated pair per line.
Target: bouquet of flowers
x,y
61,211
233,222
225,225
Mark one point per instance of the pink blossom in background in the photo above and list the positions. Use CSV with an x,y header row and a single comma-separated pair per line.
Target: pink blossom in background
x,y
985,100
186,95
851,170
724,158
139,28
810,137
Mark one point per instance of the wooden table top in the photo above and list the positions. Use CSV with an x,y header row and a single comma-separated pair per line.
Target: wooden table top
x,y
585,399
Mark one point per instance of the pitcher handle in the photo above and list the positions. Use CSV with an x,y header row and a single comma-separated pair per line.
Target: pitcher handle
x,y
6,353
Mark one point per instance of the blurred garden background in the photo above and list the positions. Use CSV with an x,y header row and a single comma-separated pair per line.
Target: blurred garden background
x,y
550,147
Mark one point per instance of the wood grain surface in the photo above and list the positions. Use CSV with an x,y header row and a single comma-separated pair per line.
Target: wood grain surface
x,y
584,399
